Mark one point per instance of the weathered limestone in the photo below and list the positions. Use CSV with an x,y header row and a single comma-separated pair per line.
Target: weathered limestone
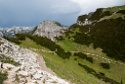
x,y
28,72
49,29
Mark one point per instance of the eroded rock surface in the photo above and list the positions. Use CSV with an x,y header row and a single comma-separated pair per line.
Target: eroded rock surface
x,y
29,71
49,29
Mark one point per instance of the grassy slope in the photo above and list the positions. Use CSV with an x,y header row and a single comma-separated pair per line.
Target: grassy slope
x,y
69,69
113,10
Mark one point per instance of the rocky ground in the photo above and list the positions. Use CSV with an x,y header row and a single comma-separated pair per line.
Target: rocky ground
x,y
32,68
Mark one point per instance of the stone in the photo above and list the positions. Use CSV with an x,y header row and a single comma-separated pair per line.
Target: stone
x,y
8,66
37,76
24,73
16,69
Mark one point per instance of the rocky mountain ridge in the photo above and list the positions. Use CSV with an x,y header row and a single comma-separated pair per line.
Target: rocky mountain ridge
x,y
29,71
101,14
10,32
49,29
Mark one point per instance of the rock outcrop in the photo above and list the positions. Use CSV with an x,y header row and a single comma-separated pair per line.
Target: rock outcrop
x,y
84,19
49,29
29,71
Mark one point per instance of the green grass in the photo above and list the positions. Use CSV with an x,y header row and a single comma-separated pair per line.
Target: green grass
x,y
113,16
117,70
69,68
113,10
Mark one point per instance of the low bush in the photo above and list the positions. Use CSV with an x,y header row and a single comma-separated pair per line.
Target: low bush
x,y
84,56
121,11
43,41
90,59
3,77
105,65
6,59
81,55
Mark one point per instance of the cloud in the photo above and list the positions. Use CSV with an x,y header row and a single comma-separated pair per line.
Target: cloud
x,y
65,7
32,12
91,5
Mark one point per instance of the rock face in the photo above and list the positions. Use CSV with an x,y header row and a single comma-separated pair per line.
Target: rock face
x,y
84,19
28,72
49,29
10,32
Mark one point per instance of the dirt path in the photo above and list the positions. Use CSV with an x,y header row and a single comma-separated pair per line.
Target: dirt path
x,y
43,66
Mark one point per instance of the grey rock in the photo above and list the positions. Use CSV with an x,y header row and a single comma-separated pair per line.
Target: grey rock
x,y
10,32
49,29
29,68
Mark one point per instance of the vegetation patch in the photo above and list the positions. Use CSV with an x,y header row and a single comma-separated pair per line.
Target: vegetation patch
x,y
43,41
99,75
81,55
50,45
106,35
9,60
99,14
105,65
90,59
3,77
121,11
84,56
70,69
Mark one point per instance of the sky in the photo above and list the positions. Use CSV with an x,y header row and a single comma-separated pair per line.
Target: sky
x,y
32,12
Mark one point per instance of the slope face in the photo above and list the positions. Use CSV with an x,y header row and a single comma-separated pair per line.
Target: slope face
x,y
29,71
106,30
102,14
49,29
10,32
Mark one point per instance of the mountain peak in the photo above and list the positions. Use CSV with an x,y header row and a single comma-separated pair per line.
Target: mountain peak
x,y
49,29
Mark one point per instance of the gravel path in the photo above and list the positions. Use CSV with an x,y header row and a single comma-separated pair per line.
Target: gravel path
x,y
43,66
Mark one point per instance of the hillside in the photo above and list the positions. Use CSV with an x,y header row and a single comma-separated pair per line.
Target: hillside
x,y
105,28
21,65
85,64
92,51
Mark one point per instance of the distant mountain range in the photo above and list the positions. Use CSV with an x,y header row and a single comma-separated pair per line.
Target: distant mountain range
x,y
10,32
49,29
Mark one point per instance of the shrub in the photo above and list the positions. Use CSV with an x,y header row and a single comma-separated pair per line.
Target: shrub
x,y
81,55
99,75
75,59
14,40
90,59
102,73
3,76
121,11
43,41
6,59
105,65
21,36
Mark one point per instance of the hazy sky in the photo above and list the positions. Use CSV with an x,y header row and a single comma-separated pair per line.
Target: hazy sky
x,y
32,12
